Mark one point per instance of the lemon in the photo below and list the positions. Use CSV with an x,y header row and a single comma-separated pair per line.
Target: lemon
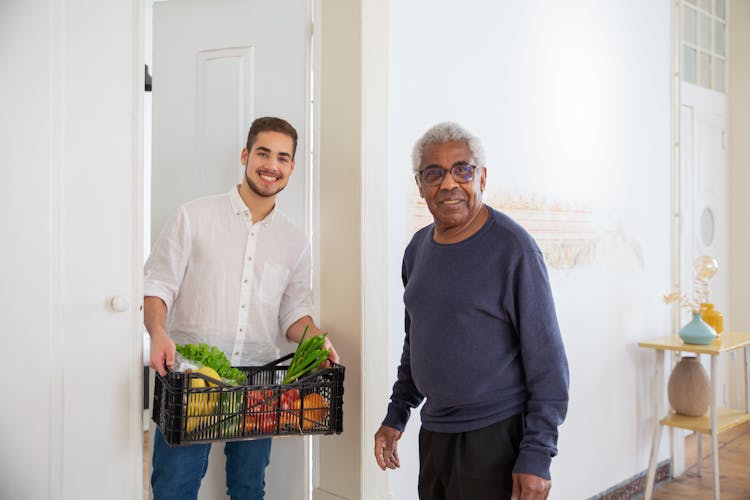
x,y
197,383
209,372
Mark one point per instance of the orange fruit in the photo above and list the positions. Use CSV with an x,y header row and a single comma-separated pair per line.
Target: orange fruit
x,y
315,410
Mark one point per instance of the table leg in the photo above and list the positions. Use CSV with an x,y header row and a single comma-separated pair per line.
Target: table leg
x,y
747,379
714,423
658,411
700,453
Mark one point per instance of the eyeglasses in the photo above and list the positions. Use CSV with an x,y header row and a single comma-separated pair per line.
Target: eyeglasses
x,y
434,175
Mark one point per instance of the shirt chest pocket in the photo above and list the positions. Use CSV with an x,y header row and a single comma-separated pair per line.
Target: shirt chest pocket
x,y
273,283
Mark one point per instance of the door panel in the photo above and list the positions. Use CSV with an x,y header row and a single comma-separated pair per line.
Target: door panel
x,y
224,90
217,65
703,172
704,190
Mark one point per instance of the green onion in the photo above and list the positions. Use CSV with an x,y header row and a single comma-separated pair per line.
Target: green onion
x,y
309,354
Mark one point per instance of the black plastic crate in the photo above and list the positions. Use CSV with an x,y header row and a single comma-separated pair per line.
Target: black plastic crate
x,y
262,407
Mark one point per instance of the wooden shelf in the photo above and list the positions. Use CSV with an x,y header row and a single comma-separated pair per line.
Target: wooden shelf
x,y
727,341
727,418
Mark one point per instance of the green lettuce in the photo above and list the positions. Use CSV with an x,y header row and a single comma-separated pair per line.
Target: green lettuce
x,y
213,358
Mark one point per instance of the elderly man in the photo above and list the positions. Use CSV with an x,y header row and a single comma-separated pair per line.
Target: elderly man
x,y
482,344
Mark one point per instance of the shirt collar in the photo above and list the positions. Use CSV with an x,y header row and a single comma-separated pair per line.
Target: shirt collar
x,y
239,207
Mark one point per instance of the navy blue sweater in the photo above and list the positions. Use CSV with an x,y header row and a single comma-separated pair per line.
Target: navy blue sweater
x,y
482,341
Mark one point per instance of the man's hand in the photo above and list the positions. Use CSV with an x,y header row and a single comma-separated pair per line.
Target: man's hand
x,y
332,354
162,347
162,353
530,487
386,452
295,331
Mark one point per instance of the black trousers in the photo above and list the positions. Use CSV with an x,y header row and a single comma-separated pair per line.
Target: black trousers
x,y
474,465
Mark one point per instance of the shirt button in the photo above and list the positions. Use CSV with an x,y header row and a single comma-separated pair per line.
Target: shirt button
x,y
249,258
243,306
252,234
241,330
236,353
244,281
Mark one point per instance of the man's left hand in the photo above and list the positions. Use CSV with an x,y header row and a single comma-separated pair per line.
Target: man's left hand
x,y
530,487
332,354
305,323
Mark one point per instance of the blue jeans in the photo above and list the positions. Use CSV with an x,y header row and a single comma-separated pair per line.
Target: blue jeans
x,y
176,473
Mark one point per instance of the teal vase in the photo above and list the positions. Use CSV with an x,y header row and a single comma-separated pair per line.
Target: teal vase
x,y
697,331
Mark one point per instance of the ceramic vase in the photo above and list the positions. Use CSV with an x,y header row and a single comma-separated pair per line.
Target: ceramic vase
x,y
713,317
688,389
697,331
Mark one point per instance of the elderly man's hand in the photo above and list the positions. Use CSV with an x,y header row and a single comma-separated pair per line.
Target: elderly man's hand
x,y
530,487
386,452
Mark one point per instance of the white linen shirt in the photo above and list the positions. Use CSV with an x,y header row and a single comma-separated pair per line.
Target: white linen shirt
x,y
228,282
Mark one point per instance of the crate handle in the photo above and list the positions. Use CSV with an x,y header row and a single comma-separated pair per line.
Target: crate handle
x,y
275,362
194,373
219,383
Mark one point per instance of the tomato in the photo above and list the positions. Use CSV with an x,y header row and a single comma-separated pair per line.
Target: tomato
x,y
290,408
288,398
262,412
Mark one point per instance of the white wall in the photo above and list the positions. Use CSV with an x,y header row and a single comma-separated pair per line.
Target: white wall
x,y
572,101
739,160
353,185
339,201
739,168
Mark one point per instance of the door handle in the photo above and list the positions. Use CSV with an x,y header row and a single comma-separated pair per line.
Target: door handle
x,y
120,303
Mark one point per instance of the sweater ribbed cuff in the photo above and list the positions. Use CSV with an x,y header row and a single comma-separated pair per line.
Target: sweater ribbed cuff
x,y
396,417
533,462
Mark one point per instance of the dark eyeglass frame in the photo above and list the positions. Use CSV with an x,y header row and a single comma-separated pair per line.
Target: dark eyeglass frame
x,y
455,172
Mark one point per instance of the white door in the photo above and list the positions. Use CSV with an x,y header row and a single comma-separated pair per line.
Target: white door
x,y
705,222
71,418
217,65
704,225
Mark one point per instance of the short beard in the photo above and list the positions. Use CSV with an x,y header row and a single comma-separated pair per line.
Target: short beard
x,y
257,191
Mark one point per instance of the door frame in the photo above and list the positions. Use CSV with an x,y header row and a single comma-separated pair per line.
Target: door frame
x,y
678,216
360,325
137,389
312,222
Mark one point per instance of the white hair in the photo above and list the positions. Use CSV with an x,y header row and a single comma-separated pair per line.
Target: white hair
x,y
447,132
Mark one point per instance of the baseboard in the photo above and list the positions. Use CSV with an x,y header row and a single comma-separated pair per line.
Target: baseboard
x,y
320,494
636,485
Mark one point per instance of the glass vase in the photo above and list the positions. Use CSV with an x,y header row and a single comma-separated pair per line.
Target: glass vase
x,y
713,317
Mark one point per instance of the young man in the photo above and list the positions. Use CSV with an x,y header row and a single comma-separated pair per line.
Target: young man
x,y
482,344
232,271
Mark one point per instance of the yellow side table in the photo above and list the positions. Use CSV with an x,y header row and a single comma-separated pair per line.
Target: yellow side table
x,y
718,419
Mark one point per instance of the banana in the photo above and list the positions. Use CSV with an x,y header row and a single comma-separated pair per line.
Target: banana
x,y
202,406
